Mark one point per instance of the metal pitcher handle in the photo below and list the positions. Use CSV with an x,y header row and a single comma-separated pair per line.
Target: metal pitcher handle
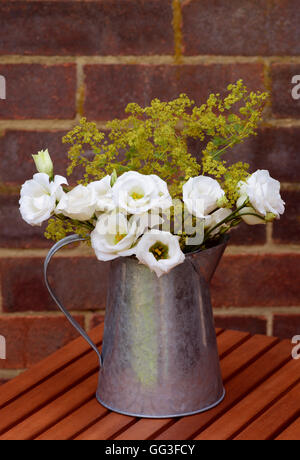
x,y
53,250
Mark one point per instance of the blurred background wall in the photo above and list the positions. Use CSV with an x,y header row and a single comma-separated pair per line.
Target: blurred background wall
x,y
65,59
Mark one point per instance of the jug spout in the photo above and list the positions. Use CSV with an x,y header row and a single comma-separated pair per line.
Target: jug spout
x,y
206,262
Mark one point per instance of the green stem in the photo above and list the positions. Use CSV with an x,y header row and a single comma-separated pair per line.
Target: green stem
x,y
230,218
227,219
219,152
240,137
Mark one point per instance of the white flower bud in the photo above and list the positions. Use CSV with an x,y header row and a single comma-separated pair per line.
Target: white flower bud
x,y
43,162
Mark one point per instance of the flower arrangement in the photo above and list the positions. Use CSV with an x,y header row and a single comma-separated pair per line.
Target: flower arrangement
x,y
143,194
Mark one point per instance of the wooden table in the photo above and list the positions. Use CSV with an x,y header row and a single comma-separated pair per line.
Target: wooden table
x,y
55,399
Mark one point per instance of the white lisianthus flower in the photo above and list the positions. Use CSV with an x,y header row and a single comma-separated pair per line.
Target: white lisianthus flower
x,y
247,213
78,204
114,236
264,197
39,197
215,218
43,162
160,251
103,193
137,193
146,221
201,195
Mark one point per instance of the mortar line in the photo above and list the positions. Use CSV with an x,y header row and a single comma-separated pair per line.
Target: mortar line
x,y
177,30
8,374
268,87
256,310
267,249
88,319
49,314
80,90
269,233
280,123
54,125
146,59
270,324
290,187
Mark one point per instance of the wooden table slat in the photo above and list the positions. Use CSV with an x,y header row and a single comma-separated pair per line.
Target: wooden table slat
x,y
238,358
55,399
246,410
292,433
219,331
48,366
48,390
75,422
144,429
230,340
108,426
236,389
246,354
274,419
51,413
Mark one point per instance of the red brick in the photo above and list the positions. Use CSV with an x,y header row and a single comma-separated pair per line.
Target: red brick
x,y
287,229
111,87
275,149
16,148
80,283
241,27
15,233
86,28
30,339
283,104
286,326
245,234
96,320
252,324
257,280
38,91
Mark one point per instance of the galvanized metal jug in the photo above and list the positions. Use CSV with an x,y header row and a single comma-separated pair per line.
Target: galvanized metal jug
x,y
159,355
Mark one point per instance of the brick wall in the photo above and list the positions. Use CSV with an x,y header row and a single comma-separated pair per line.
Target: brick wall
x,y
63,59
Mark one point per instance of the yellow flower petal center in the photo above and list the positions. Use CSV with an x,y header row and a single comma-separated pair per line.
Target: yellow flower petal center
x,y
119,237
159,250
137,196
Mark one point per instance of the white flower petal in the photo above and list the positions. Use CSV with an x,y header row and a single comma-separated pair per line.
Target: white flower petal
x,y
103,194
201,195
146,257
38,198
264,194
137,193
114,236
79,203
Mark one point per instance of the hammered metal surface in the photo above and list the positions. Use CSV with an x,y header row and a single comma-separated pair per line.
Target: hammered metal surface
x,y
160,354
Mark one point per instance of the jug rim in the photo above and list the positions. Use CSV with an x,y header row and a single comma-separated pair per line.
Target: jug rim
x,y
222,241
